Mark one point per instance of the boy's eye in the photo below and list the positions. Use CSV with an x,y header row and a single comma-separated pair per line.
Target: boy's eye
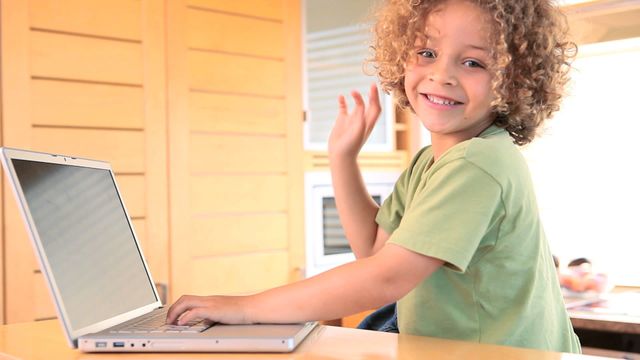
x,y
473,64
427,53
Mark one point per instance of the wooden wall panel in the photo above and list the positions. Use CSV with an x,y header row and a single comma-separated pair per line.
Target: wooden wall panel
x,y
124,149
18,254
63,56
240,274
233,182
132,189
269,9
90,79
178,135
292,23
156,229
236,74
95,17
20,304
43,302
236,233
140,228
86,79
243,35
65,103
238,193
225,113
251,154
2,241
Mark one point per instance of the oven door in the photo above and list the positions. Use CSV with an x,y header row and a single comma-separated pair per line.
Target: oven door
x,y
326,243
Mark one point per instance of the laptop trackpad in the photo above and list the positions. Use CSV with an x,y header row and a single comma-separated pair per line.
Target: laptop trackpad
x,y
254,330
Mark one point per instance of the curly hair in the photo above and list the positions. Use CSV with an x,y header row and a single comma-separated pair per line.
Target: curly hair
x,y
531,57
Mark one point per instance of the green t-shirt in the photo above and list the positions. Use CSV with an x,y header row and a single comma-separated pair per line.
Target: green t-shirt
x,y
475,209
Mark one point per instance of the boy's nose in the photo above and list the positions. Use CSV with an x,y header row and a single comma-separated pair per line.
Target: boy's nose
x,y
442,73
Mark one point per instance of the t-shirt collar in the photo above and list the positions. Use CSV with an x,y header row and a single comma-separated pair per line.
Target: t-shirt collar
x,y
491,130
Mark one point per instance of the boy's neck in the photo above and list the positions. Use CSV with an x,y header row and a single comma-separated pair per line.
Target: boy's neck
x,y
441,143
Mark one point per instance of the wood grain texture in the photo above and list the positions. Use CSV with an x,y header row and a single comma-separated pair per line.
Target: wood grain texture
x,y
228,33
232,234
43,302
268,9
178,157
295,151
237,114
229,134
44,340
132,189
251,154
240,274
18,260
140,229
86,79
20,263
223,194
64,103
95,17
74,57
226,73
123,149
156,142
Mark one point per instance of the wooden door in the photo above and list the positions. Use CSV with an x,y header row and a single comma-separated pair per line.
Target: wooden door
x,y
235,145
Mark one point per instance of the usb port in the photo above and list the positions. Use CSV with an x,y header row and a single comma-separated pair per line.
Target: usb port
x,y
118,344
101,344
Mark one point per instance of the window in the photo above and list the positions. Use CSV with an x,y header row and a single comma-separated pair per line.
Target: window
x,y
336,45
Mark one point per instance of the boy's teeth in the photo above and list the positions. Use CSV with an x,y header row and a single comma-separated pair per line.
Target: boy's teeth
x,y
440,101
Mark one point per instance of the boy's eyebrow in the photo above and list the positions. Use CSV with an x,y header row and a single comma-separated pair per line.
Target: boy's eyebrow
x,y
477,47
469,45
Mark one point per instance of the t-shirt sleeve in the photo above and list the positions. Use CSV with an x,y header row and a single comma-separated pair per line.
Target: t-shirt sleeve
x,y
450,214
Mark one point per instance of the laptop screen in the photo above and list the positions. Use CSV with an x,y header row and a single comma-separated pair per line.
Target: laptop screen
x,y
88,241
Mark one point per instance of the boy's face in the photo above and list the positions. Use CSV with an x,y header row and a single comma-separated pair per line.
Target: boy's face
x,y
448,83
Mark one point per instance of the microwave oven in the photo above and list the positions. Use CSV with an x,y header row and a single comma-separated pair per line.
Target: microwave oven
x,y
326,244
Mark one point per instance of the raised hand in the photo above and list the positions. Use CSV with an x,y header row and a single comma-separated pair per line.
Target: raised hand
x,y
351,130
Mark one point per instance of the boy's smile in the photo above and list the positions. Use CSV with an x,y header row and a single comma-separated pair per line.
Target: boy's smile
x,y
448,82
438,100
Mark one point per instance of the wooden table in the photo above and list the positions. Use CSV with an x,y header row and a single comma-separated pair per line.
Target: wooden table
x,y
613,323
44,340
618,312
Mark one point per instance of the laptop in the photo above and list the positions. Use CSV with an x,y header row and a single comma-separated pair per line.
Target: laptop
x,y
88,252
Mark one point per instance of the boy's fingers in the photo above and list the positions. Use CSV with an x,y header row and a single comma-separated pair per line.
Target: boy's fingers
x,y
359,102
179,307
174,310
190,315
373,111
342,105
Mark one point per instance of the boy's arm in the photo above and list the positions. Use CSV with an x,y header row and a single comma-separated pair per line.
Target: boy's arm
x,y
356,208
357,286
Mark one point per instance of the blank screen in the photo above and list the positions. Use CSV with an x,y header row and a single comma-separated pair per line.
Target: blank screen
x,y
87,240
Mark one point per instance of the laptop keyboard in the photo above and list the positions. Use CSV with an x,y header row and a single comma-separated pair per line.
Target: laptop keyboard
x,y
155,322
